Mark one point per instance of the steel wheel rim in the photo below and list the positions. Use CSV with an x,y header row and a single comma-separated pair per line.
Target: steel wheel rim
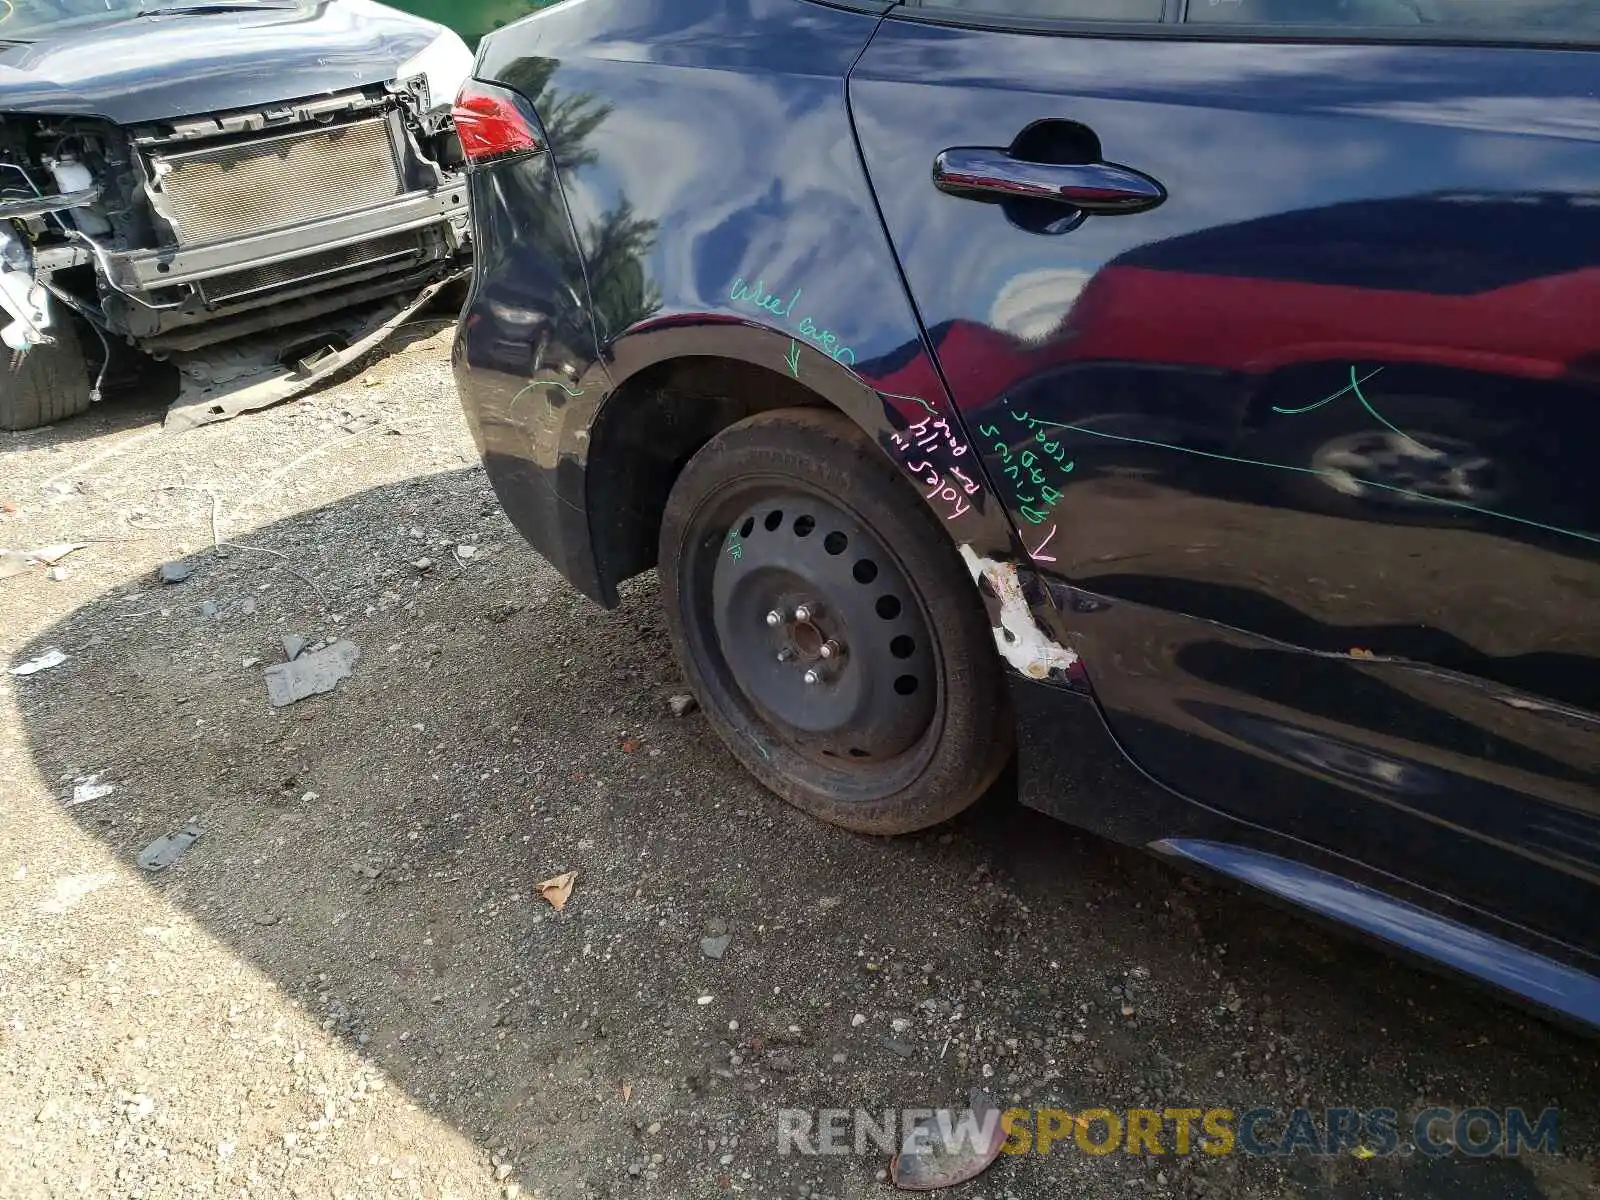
x,y
784,580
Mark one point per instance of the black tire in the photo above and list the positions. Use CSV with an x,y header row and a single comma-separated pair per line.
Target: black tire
x,y
47,384
760,521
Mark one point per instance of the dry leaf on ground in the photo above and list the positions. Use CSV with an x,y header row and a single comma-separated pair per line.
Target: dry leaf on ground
x,y
558,889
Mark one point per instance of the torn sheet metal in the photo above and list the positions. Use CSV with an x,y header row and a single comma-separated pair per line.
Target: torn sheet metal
x,y
222,381
1020,640
310,674
166,849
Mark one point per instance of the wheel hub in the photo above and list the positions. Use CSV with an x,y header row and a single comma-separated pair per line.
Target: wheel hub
x,y
821,632
808,641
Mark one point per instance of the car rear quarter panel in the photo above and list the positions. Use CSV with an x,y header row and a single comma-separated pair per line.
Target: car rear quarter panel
x,y
721,214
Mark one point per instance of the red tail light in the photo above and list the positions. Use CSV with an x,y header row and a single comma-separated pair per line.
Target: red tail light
x,y
492,123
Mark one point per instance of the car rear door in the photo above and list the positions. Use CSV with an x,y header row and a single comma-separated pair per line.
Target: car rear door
x,y
1280,340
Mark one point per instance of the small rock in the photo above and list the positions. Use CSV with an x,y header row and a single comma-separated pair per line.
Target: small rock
x,y
502,1172
682,705
176,571
704,1000
293,644
899,1024
828,902
894,1046
466,551
857,1021
423,564
715,947
208,608
248,606
266,918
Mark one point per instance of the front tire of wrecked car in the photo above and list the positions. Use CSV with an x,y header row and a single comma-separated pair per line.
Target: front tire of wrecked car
x,y
48,382
829,628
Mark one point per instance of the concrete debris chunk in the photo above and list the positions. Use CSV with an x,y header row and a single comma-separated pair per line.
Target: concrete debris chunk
x,y
310,674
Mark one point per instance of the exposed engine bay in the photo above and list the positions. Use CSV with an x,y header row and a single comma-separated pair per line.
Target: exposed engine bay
x,y
257,248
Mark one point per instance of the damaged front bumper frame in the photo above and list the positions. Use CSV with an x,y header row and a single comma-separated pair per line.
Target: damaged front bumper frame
x,y
235,361
149,270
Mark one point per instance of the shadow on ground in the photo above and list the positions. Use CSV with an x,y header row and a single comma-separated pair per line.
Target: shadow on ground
x,y
375,852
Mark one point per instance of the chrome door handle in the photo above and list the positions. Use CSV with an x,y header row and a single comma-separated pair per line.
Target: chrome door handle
x,y
990,173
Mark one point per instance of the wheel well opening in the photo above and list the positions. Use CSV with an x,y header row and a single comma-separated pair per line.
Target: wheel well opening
x,y
649,429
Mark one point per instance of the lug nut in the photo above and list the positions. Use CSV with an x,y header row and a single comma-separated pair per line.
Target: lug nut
x,y
813,676
829,649
806,612
775,617
786,654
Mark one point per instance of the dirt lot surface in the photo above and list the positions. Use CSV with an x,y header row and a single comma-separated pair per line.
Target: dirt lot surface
x,y
349,986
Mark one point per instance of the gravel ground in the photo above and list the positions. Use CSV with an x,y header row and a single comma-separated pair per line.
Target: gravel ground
x,y
350,985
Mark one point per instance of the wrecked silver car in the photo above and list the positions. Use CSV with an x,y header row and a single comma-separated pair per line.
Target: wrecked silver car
x,y
255,190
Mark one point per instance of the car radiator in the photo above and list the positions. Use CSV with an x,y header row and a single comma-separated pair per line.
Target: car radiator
x,y
220,192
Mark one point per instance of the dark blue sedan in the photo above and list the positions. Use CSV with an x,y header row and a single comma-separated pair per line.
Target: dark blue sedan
x,y
1190,401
